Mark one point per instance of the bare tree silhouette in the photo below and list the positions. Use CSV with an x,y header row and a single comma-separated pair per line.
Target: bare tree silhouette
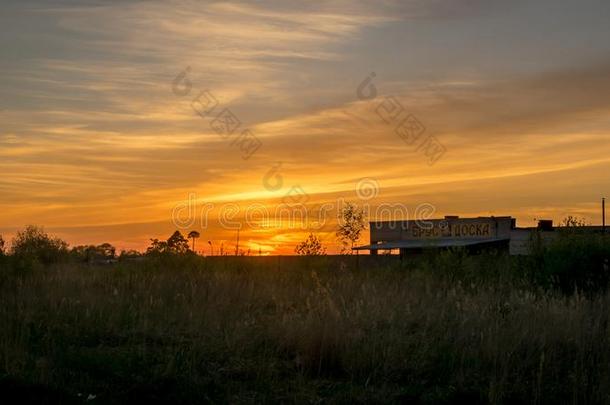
x,y
312,246
351,225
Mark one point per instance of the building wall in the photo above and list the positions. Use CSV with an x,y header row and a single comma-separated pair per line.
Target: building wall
x,y
520,239
519,242
448,228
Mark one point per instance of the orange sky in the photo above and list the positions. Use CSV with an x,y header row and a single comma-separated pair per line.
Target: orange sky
x,y
97,146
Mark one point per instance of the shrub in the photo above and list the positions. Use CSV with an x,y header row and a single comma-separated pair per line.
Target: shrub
x,y
575,261
458,266
312,246
33,246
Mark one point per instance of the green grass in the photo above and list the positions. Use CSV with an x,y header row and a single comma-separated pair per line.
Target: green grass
x,y
453,329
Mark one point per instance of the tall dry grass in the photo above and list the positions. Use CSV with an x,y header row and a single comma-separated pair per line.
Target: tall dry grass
x,y
252,331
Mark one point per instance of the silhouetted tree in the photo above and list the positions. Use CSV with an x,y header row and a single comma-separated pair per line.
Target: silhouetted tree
x,y
106,250
33,244
573,222
129,254
157,246
351,225
176,244
312,246
94,254
193,235
2,246
81,253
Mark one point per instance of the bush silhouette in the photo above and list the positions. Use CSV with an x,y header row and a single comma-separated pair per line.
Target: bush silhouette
x,y
573,261
34,246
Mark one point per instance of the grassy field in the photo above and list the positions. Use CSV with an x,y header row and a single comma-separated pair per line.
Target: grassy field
x,y
454,329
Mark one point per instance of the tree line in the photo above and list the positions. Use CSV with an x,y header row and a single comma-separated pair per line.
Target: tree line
x,y
33,246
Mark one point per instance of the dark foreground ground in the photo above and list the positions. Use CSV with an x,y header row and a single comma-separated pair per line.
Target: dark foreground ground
x,y
455,330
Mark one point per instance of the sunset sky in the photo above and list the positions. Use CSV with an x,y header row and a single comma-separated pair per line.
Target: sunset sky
x,y
97,144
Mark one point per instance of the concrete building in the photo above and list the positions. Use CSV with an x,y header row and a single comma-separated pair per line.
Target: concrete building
x,y
474,234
